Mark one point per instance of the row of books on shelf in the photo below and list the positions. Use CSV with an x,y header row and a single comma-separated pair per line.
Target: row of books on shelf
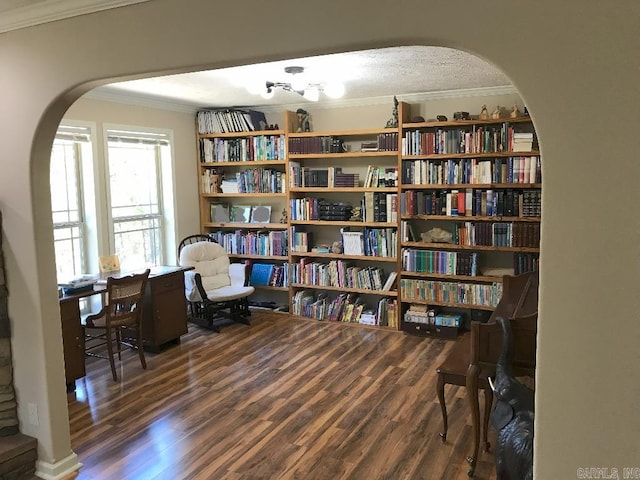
x,y
429,316
371,242
440,261
381,177
312,208
322,144
452,171
249,149
384,142
255,180
492,234
321,177
459,293
345,307
473,202
380,207
225,213
261,242
338,273
230,120
472,139
269,274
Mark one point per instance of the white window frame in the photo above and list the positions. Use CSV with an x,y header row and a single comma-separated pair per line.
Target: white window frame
x,y
164,167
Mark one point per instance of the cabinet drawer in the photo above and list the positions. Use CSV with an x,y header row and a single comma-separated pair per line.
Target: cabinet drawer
x,y
430,330
166,283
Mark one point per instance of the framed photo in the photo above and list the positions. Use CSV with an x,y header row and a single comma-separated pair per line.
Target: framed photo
x,y
240,213
261,214
219,212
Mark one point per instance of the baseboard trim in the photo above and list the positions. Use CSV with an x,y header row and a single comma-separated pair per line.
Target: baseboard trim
x,y
59,470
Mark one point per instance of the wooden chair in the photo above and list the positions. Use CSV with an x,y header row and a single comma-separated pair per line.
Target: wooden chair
x,y
121,314
519,300
486,345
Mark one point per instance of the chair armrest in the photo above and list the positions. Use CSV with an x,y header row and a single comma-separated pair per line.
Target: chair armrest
x,y
193,289
238,274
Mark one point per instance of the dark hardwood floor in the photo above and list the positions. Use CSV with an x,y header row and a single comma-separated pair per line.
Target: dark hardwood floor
x,y
284,398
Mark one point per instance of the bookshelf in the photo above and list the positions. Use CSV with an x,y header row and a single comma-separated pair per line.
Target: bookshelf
x,y
470,195
357,201
341,187
242,192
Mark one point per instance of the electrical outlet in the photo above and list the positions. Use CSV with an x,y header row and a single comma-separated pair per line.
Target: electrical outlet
x,y
33,414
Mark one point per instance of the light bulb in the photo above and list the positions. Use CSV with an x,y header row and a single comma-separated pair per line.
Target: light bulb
x,y
267,94
334,90
298,83
312,94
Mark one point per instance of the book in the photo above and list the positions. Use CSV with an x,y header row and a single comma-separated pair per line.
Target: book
x,y
260,213
389,283
261,274
240,213
219,212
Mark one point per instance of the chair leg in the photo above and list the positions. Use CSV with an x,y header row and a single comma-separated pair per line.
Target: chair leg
x,y
488,401
119,343
110,350
143,362
443,406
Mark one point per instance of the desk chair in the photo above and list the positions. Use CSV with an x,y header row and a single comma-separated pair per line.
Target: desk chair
x,y
122,312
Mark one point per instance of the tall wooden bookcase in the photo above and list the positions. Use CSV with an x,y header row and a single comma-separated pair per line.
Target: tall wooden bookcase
x,y
458,177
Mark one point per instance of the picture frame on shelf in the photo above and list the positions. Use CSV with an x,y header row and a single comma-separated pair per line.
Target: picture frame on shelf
x,y
219,212
240,213
261,214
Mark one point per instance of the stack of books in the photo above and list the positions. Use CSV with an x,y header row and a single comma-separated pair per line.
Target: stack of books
x,y
522,142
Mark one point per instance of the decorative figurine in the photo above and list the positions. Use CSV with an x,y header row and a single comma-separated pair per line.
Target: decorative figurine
x,y
336,247
484,113
417,119
441,118
496,113
514,111
304,121
356,214
393,121
285,217
461,116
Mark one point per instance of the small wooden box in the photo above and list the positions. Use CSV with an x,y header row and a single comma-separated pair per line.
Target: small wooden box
x,y
426,330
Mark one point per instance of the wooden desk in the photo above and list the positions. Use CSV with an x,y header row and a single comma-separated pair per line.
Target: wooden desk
x,y
164,317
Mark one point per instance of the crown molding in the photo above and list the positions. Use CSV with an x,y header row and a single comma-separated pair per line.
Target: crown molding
x,y
51,10
118,96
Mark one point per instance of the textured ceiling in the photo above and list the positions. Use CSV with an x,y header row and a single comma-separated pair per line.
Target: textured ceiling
x,y
365,74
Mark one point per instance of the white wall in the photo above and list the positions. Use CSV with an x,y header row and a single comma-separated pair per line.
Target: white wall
x,y
575,64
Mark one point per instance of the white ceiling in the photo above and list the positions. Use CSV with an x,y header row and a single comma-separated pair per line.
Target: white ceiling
x,y
368,74
409,72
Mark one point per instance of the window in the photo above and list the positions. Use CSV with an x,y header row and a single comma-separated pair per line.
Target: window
x,y
69,147
135,196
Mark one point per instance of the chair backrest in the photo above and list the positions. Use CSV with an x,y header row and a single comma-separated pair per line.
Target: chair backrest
x,y
198,237
208,259
125,299
486,344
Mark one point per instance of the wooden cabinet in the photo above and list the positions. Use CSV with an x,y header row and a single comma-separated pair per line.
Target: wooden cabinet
x,y
164,315
72,340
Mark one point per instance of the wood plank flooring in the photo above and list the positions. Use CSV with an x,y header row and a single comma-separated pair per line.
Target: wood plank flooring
x,y
284,398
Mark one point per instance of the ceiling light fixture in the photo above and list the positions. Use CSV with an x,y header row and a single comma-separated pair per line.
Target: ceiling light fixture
x,y
299,84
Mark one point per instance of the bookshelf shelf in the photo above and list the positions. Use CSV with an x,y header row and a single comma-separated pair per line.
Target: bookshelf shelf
x,y
252,163
257,133
383,293
437,186
261,257
343,224
451,246
341,256
342,190
244,194
446,156
450,305
246,226
273,289
467,218
477,278
302,156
